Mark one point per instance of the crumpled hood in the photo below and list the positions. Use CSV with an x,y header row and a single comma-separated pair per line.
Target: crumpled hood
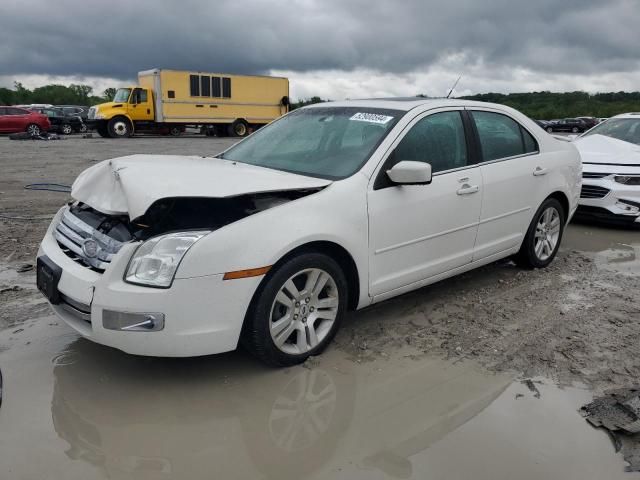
x,y
130,185
601,149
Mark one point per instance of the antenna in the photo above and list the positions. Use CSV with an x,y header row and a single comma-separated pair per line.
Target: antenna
x,y
454,86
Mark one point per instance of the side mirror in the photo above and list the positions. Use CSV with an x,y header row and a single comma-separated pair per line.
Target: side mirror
x,y
408,172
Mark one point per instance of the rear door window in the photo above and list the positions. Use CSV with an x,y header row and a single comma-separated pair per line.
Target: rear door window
x,y
501,136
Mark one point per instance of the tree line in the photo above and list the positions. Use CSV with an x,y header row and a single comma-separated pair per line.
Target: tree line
x,y
54,95
538,105
550,105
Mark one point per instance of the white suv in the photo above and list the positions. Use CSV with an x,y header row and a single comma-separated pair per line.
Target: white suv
x,y
332,207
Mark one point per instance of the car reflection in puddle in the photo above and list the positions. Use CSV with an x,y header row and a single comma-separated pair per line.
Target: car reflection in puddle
x,y
236,419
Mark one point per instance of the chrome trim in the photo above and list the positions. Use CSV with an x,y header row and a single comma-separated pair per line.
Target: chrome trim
x,y
77,309
71,233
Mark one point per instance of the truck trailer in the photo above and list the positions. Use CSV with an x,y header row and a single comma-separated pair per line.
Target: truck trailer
x,y
167,101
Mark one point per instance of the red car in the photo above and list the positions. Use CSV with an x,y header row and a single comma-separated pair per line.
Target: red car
x,y
13,119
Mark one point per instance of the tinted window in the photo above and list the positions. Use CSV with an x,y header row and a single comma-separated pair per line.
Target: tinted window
x,y
217,88
17,111
205,83
194,83
500,136
437,139
226,87
3,111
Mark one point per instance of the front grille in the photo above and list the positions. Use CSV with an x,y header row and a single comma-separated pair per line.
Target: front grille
x,y
593,191
84,244
594,175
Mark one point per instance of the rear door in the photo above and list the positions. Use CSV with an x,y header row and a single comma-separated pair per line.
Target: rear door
x,y
20,118
513,174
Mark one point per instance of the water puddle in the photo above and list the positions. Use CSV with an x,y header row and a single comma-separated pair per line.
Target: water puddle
x,y
75,410
613,249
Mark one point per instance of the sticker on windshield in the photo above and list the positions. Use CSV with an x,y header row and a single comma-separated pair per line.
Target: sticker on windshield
x,y
371,118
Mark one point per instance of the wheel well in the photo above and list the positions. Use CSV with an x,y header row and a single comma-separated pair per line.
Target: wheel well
x,y
340,255
564,201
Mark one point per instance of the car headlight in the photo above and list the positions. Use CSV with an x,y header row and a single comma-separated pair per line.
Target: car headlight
x,y
155,262
98,116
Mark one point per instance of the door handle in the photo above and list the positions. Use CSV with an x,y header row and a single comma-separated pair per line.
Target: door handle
x,y
467,189
540,171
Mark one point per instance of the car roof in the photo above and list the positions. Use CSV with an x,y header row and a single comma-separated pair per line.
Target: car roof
x,y
407,103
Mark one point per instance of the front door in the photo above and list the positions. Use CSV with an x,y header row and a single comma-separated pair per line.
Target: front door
x,y
420,231
141,105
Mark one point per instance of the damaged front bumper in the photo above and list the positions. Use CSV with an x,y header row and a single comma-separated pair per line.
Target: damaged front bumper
x,y
199,316
606,200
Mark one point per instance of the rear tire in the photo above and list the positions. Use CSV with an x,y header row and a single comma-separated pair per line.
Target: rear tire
x,y
33,130
542,241
575,130
119,127
296,311
549,129
66,129
239,128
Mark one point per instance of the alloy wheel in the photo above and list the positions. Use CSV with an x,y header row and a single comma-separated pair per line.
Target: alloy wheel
x,y
547,233
66,129
303,312
33,130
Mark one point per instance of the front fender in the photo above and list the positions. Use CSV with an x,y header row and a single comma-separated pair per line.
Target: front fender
x,y
336,214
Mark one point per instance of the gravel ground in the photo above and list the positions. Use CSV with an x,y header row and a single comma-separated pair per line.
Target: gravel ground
x,y
577,320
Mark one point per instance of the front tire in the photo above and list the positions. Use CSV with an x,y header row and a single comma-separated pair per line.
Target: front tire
x,y
175,131
297,310
119,127
542,241
549,129
575,130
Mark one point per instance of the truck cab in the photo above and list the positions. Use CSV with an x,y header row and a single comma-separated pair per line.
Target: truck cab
x,y
131,107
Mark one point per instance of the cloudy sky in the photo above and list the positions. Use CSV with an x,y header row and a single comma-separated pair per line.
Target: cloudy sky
x,y
331,48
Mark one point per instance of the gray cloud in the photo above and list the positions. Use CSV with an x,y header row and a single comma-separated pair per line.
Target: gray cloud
x,y
118,38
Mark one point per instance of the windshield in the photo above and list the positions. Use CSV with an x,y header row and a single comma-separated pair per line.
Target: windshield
x,y
326,142
626,129
122,95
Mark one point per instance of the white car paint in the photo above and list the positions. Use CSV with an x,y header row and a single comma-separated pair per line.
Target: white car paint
x,y
603,159
399,238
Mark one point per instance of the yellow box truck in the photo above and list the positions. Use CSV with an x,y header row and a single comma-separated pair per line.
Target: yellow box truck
x,y
167,101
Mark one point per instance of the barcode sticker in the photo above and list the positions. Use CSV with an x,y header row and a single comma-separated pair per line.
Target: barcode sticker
x,y
371,118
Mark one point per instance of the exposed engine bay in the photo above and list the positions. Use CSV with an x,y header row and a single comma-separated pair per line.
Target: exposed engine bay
x,y
170,214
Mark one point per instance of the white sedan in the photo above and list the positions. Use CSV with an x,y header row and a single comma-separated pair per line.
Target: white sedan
x,y
332,207
611,170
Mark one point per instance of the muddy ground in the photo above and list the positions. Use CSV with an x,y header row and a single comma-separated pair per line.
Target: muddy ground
x,y
419,386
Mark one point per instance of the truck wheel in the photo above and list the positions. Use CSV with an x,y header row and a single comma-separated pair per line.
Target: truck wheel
x,y
175,131
119,127
239,128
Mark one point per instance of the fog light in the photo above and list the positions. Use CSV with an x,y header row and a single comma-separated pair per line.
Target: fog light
x,y
626,207
132,322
